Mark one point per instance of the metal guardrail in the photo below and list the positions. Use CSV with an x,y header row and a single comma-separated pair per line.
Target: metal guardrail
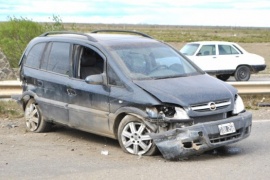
x,y
8,88
254,87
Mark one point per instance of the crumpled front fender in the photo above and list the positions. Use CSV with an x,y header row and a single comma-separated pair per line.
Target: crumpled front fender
x,y
180,143
192,140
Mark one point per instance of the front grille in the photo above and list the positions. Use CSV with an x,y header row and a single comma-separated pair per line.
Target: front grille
x,y
215,117
217,138
210,106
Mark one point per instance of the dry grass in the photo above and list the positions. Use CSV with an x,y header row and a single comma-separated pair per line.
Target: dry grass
x,y
253,101
10,109
185,33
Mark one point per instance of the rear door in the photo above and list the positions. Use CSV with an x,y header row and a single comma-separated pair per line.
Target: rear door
x,y
229,57
51,81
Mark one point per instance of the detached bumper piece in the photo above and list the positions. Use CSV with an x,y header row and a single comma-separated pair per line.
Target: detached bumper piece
x,y
193,140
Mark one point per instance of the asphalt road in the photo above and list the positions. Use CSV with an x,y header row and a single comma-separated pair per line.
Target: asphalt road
x,y
254,77
70,154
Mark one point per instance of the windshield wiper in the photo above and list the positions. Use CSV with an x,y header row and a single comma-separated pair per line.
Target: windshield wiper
x,y
175,76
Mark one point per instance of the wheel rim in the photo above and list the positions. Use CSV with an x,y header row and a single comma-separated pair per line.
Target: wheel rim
x,y
32,117
242,74
135,138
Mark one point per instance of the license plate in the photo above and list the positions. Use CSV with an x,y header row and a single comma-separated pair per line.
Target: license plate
x,y
227,128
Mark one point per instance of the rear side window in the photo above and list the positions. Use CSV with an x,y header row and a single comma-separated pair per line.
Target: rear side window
x,y
59,58
35,54
227,50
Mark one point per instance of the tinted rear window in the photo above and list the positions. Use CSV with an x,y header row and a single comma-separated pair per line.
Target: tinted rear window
x,y
59,58
35,54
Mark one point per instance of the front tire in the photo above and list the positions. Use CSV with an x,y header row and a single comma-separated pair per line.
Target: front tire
x,y
133,137
33,118
223,77
242,73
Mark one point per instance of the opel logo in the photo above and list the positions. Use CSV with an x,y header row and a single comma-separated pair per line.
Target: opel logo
x,y
212,106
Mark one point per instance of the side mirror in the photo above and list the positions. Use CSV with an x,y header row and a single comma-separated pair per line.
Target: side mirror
x,y
94,79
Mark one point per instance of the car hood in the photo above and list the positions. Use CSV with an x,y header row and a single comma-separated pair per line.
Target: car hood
x,y
190,90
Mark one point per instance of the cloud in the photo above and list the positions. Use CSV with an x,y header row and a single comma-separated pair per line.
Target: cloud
x,y
171,12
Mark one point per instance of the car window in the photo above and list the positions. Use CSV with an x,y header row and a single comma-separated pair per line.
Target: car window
x,y
35,54
238,49
58,60
152,60
113,78
207,50
90,63
227,50
189,49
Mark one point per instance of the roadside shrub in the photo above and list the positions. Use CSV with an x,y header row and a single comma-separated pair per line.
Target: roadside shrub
x,y
56,25
15,35
17,32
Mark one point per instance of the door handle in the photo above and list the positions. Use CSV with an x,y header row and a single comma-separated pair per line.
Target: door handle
x,y
39,83
71,92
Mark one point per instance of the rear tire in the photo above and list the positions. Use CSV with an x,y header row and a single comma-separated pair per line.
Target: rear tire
x,y
223,77
133,137
242,73
33,118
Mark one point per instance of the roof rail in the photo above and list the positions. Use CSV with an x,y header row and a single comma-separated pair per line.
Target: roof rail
x,y
90,38
123,31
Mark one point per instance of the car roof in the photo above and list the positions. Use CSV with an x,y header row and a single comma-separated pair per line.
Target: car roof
x,y
99,35
103,38
211,42
110,37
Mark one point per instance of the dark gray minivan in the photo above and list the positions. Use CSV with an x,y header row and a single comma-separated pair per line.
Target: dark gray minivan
x,y
128,86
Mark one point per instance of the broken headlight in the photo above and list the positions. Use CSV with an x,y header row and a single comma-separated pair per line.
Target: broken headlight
x,y
161,112
238,105
152,112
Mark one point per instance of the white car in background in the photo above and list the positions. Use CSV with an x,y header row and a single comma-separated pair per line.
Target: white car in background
x,y
224,59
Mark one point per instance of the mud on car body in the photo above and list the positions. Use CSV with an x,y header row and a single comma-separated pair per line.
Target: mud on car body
x,y
129,87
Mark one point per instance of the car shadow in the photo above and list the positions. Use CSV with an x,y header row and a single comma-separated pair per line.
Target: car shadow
x,y
77,135
84,136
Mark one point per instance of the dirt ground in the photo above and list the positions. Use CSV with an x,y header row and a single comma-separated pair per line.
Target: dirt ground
x,y
64,153
13,131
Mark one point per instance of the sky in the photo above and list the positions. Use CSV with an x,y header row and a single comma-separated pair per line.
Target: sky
x,y
236,13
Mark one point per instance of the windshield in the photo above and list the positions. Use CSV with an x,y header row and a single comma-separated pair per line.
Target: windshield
x,y
152,60
189,49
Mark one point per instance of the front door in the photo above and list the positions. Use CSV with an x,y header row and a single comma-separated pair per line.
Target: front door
x,y
88,103
206,58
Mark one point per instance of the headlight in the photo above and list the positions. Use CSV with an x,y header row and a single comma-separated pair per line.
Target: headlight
x,y
180,113
166,111
238,105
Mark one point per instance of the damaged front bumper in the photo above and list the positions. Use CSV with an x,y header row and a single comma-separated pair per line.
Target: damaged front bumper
x,y
182,142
